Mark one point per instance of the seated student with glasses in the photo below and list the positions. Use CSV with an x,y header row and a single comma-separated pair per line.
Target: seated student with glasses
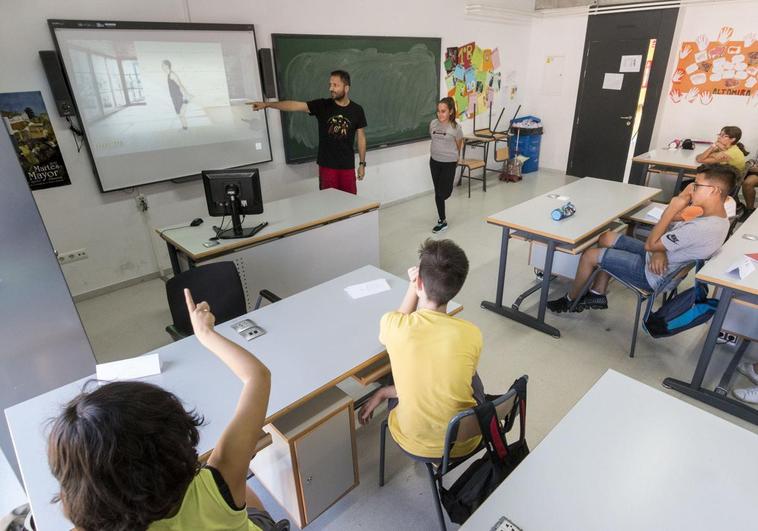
x,y
671,243
726,150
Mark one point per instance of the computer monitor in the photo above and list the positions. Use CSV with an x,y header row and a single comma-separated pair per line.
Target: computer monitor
x,y
234,193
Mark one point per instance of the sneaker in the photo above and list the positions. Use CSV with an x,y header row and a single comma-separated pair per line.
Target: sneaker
x,y
593,301
749,395
747,369
440,226
563,305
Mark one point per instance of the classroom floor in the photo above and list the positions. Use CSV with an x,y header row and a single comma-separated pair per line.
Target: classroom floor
x,y
131,321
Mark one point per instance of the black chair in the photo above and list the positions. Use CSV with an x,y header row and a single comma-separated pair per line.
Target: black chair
x,y
461,427
218,284
269,296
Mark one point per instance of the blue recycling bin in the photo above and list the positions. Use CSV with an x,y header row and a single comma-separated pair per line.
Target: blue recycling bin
x,y
526,141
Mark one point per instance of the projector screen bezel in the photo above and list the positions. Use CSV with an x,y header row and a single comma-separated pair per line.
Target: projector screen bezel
x,y
54,24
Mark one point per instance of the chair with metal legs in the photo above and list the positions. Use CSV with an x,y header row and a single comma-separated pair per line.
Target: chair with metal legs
x,y
461,427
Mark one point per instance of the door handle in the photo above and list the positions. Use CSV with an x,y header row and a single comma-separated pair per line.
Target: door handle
x,y
626,117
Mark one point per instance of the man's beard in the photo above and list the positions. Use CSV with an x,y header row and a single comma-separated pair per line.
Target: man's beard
x,y
337,95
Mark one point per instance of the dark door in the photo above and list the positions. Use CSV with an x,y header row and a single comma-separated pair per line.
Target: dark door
x,y
616,51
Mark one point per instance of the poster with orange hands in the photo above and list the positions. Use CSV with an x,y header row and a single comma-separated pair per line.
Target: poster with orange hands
x,y
709,69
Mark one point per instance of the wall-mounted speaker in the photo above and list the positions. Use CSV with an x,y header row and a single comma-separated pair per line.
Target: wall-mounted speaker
x,y
57,81
268,77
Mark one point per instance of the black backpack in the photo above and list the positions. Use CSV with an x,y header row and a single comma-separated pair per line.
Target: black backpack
x,y
484,475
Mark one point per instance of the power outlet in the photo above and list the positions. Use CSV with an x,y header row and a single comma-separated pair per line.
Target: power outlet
x,y
72,256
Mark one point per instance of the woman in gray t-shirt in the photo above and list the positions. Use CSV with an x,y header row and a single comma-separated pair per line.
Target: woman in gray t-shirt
x,y
447,139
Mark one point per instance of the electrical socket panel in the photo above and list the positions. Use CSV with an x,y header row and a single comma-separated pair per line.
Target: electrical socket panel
x,y
72,256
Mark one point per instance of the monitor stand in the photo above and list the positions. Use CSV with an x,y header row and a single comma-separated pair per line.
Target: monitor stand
x,y
237,231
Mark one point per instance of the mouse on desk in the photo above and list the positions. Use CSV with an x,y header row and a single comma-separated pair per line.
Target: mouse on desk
x,y
195,222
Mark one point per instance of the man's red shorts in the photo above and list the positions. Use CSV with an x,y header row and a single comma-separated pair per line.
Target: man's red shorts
x,y
340,179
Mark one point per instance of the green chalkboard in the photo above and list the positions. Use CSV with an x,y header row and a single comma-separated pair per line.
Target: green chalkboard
x,y
395,79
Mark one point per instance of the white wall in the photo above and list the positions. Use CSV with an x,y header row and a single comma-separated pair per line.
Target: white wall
x,y
551,37
118,238
693,120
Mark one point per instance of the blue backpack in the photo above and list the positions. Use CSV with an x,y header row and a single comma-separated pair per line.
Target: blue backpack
x,y
683,311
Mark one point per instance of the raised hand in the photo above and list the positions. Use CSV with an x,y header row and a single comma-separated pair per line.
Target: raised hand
x,y
692,94
749,39
200,315
258,105
702,41
685,51
725,34
706,97
678,75
675,95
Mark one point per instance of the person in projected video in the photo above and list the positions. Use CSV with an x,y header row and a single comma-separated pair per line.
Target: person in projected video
x,y
179,95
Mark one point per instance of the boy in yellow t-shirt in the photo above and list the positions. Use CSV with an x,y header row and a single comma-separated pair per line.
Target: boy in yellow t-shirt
x,y
433,356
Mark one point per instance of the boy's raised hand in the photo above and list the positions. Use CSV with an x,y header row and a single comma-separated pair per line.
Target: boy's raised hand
x,y
200,315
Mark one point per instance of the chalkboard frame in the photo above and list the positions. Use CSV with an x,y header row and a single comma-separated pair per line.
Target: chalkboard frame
x,y
276,39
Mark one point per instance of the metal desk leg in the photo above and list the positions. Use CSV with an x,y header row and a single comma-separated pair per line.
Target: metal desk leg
x,y
679,179
174,258
694,390
723,387
515,314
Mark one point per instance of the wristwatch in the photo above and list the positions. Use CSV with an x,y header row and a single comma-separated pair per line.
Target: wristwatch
x,y
362,163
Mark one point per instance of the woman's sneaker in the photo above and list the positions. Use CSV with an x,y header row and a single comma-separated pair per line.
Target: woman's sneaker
x,y
747,369
440,226
749,395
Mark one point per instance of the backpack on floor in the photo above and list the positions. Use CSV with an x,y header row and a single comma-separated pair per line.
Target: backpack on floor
x,y
681,312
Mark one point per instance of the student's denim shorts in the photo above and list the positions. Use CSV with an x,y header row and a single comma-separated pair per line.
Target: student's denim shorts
x,y
626,261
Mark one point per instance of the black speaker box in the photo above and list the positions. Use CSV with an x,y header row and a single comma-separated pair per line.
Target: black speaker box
x,y
268,77
57,81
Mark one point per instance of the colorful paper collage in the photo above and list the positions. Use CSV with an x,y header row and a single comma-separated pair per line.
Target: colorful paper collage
x,y
471,79
723,67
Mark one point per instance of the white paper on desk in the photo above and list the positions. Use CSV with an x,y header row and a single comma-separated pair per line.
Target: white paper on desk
x,y
138,367
372,287
655,213
742,267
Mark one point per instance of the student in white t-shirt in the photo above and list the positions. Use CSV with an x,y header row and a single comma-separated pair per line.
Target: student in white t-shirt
x,y
447,139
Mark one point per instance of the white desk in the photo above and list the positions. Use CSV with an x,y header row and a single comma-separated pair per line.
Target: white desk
x,y
743,293
598,203
678,161
306,347
628,457
303,244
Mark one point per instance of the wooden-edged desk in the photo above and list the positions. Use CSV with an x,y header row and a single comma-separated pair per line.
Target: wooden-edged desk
x,y
314,340
734,292
598,203
302,245
629,457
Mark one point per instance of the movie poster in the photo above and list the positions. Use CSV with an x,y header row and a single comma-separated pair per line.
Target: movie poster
x,y
28,124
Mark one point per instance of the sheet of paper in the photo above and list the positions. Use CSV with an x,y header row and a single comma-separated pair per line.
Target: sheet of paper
x,y
495,58
487,61
459,72
613,81
450,82
655,213
630,63
358,291
129,369
742,267
477,58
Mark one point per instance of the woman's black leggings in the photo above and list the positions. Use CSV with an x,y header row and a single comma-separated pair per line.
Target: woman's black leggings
x,y
443,175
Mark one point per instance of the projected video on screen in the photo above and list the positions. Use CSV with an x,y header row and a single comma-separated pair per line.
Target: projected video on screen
x,y
162,101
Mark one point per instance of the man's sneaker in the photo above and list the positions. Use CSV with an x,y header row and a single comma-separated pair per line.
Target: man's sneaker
x,y
749,395
440,226
563,305
593,301
747,369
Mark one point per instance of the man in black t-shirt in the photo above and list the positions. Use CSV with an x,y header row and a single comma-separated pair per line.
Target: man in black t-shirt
x,y
340,121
